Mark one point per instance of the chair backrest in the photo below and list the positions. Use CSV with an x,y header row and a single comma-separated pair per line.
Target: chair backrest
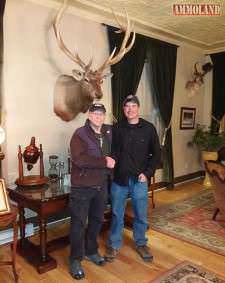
x,y
216,173
221,154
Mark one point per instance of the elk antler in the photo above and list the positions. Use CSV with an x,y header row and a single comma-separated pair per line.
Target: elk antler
x,y
123,48
198,76
75,57
111,60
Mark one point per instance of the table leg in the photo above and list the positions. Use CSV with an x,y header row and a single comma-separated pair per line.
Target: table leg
x,y
22,224
15,237
43,238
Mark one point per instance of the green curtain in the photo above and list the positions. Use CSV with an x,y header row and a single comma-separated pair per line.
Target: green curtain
x,y
126,73
2,8
162,58
218,99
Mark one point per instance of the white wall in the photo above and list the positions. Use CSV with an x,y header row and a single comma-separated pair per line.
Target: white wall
x,y
32,62
186,159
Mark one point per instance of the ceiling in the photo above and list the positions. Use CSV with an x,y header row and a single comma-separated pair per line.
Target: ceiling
x,y
155,18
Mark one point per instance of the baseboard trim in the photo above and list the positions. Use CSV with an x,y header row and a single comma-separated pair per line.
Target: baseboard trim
x,y
188,177
6,236
180,179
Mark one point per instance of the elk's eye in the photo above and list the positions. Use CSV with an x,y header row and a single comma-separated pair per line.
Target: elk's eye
x,y
86,80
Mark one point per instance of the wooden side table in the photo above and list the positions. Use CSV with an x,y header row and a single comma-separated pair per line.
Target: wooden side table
x,y
5,221
45,200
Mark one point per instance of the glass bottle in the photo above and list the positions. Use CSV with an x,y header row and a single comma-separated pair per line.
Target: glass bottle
x,y
61,169
53,170
69,162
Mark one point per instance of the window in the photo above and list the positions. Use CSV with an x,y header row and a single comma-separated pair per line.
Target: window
x,y
148,108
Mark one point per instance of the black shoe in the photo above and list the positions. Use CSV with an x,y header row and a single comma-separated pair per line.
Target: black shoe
x,y
96,259
76,269
145,253
111,254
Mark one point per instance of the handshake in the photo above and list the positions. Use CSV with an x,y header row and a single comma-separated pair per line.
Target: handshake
x,y
110,162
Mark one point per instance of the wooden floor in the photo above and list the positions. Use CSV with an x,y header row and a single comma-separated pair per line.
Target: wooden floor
x,y
128,267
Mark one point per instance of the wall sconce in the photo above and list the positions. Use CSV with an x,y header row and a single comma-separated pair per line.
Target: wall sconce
x,y
194,85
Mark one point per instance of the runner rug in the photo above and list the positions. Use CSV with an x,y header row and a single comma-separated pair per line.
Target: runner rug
x,y
191,220
188,272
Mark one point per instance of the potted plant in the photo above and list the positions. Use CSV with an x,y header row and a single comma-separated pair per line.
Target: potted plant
x,y
208,142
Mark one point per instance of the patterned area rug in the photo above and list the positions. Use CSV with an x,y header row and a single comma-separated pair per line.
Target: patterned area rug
x,y
191,220
188,272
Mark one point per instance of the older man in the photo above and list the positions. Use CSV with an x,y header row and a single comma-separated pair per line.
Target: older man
x,y
90,149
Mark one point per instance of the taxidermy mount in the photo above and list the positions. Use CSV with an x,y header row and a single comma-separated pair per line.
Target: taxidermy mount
x,y
74,93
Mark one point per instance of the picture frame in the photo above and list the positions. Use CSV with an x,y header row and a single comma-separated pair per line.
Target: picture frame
x,y
4,202
187,118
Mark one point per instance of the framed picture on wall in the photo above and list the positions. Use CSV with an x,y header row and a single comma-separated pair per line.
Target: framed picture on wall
x,y
4,202
187,118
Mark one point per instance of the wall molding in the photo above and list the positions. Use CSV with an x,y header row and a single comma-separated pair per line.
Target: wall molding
x,y
189,177
101,14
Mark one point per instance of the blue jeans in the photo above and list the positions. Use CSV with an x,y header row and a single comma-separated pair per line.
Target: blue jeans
x,y
138,192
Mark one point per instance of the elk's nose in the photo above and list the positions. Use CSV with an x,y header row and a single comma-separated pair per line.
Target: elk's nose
x,y
98,93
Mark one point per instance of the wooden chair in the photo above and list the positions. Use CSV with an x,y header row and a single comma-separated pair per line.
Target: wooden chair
x,y
216,173
5,221
151,189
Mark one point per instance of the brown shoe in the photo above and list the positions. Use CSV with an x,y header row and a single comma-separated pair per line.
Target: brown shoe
x,y
145,253
111,254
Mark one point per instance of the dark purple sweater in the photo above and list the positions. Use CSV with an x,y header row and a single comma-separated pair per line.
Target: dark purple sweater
x,y
88,161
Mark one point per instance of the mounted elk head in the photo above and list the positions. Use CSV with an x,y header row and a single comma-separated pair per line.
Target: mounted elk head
x,y
74,93
198,76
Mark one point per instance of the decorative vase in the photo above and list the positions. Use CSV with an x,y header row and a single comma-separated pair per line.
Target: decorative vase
x,y
31,154
208,155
